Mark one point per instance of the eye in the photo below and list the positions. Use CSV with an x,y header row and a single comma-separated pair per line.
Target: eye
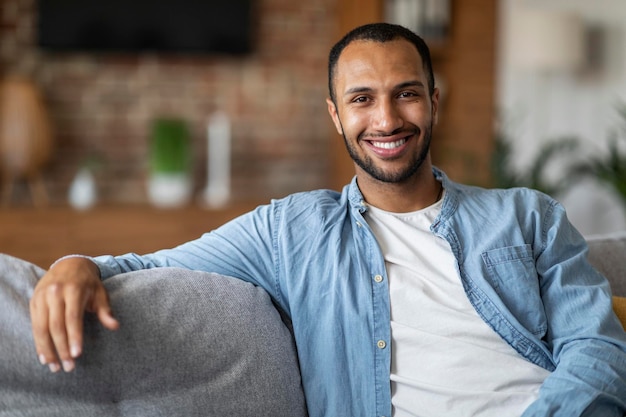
x,y
360,99
407,94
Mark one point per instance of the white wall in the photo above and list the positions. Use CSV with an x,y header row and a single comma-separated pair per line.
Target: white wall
x,y
539,106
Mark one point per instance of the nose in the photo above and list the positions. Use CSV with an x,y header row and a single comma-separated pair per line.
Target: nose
x,y
386,118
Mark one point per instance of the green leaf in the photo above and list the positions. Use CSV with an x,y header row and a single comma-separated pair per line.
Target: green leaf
x,y
170,149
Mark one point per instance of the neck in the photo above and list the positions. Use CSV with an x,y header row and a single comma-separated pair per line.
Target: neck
x,y
418,192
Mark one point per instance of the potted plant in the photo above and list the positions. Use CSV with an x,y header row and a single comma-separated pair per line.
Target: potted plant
x,y
169,181
534,176
610,168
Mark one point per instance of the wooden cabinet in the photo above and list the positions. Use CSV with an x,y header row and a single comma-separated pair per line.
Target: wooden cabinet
x,y
41,236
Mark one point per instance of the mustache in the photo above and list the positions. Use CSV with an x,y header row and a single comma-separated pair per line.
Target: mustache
x,y
404,132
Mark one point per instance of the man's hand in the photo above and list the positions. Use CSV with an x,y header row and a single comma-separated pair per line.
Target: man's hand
x,y
61,298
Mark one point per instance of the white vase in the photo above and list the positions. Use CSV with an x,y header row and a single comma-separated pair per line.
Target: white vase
x,y
169,190
83,193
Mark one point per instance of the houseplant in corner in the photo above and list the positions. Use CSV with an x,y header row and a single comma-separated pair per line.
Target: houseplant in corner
x,y
169,180
610,168
534,176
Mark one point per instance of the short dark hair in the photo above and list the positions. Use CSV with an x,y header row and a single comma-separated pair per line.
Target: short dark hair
x,y
380,32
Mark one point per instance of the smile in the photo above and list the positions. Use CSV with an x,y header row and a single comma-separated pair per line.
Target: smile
x,y
388,145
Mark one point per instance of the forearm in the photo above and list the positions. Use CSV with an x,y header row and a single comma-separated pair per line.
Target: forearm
x,y
109,265
589,381
242,248
587,341
213,252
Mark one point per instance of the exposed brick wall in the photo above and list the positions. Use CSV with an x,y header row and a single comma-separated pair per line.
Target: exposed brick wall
x,y
103,104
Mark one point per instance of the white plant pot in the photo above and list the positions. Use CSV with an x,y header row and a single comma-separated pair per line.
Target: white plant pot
x,y
169,190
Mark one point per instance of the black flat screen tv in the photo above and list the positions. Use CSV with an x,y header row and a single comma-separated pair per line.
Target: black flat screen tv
x,y
177,26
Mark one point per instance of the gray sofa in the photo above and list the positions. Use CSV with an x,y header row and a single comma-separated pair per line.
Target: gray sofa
x,y
608,254
190,344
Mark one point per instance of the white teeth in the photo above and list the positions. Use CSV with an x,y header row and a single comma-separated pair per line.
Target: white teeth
x,y
389,145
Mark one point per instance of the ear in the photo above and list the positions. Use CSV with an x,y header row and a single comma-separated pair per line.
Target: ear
x,y
332,110
434,99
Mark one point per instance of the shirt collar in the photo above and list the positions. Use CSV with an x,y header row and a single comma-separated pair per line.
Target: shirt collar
x,y
358,202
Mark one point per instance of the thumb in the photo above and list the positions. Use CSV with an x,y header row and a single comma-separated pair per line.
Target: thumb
x,y
102,308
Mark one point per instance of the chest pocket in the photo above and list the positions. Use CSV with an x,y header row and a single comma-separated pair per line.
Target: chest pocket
x,y
512,273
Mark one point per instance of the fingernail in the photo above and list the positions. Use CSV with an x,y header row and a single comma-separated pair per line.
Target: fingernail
x,y
68,366
54,367
42,359
75,351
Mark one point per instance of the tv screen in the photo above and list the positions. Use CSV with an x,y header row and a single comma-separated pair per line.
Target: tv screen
x,y
186,26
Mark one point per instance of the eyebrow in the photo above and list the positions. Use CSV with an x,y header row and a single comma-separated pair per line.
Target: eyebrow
x,y
359,89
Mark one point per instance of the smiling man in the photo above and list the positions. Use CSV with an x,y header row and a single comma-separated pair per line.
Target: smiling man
x,y
384,104
409,294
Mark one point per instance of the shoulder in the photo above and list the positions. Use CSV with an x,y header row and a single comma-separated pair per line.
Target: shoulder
x,y
483,219
305,209
497,198
319,204
319,197
472,197
501,209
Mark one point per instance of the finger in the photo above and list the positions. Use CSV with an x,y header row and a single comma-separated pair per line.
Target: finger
x,y
41,335
57,327
75,303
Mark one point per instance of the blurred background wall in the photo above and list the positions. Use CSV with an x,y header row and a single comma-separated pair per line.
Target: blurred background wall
x,y
102,104
505,79
562,75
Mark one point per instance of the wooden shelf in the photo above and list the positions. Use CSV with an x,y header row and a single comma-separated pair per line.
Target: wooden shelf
x,y
43,235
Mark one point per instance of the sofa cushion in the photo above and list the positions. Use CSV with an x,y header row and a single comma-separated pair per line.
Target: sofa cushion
x,y
607,253
190,344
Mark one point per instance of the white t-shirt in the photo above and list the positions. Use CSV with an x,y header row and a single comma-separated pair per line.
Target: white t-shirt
x,y
445,360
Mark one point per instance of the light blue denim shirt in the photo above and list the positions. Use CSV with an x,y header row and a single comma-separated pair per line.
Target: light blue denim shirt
x,y
523,268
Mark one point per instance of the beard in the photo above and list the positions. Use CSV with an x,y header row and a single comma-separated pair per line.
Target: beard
x,y
367,164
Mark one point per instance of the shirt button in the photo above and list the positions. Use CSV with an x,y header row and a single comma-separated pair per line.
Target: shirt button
x,y
378,278
381,344
359,224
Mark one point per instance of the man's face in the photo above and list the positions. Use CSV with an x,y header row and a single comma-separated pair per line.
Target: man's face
x,y
383,108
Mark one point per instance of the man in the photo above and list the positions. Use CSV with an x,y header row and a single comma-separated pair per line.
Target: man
x,y
409,294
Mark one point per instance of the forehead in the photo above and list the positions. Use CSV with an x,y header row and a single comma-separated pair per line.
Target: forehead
x,y
370,61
